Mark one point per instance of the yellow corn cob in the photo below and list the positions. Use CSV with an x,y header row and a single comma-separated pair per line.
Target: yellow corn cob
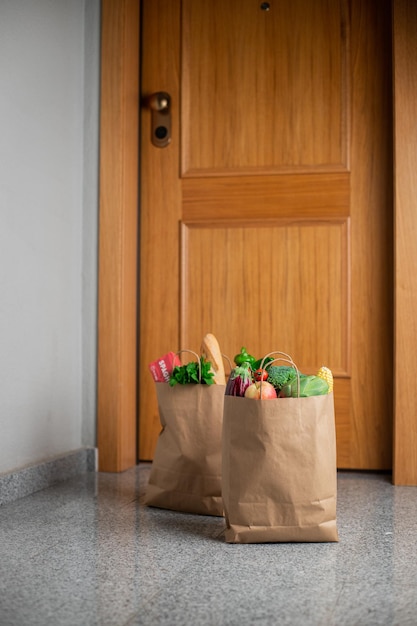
x,y
326,374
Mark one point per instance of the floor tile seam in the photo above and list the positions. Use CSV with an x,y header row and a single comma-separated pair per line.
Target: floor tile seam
x,y
129,621
331,615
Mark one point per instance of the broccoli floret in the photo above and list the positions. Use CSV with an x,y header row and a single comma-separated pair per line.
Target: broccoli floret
x,y
280,375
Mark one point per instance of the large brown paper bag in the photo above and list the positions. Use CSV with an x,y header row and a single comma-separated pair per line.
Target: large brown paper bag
x,y
186,469
279,469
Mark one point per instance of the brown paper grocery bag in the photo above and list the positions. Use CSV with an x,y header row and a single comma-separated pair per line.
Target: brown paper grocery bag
x,y
279,469
186,469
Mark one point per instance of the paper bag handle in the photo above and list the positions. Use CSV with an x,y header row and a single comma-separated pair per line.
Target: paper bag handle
x,y
284,354
228,360
286,357
198,361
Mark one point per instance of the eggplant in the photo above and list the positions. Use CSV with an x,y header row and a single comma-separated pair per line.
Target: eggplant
x,y
239,380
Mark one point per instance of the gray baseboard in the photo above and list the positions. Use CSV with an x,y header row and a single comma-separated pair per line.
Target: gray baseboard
x,y
22,482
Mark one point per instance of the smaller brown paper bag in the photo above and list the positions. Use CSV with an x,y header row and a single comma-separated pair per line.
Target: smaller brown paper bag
x,y
279,469
186,469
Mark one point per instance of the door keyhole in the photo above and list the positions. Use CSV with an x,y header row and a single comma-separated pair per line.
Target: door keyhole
x,y
160,105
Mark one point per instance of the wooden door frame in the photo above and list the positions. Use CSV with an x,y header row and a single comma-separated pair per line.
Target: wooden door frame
x,y
405,227
118,242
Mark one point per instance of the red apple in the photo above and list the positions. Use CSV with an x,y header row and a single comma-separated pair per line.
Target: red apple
x,y
255,389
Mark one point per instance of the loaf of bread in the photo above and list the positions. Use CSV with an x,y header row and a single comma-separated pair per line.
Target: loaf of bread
x,y
210,350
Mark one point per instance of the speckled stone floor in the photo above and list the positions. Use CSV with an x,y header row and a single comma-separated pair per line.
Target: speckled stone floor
x,y
88,552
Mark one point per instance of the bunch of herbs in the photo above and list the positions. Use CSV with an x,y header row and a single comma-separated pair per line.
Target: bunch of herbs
x,y
189,373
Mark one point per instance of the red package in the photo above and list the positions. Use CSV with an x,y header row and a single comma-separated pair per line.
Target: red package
x,y
162,368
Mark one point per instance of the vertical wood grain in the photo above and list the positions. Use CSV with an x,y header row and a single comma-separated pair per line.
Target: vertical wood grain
x,y
230,175
371,236
299,259
117,323
405,150
273,95
160,200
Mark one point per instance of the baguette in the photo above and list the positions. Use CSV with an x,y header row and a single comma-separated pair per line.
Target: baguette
x,y
210,350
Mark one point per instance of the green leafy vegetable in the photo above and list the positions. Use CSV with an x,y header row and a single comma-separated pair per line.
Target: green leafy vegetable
x,y
280,375
189,373
309,386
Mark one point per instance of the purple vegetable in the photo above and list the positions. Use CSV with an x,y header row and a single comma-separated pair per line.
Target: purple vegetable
x,y
239,380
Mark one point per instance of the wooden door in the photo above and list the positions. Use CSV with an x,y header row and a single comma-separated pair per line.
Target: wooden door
x,y
267,220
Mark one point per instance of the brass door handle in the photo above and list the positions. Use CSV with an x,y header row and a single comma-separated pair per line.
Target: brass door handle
x,y
160,105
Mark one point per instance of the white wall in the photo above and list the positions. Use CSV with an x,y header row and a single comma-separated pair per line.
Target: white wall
x,y
49,73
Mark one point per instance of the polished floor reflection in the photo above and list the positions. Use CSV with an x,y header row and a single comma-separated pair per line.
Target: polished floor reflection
x,y
88,552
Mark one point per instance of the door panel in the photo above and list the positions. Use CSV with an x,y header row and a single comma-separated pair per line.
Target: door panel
x,y
263,90
267,218
270,292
